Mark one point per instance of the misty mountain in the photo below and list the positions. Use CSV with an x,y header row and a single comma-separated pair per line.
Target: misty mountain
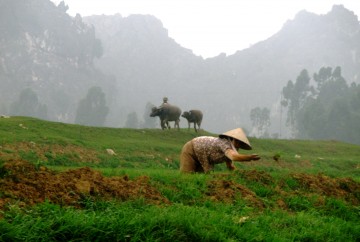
x,y
44,49
148,64
135,62
308,42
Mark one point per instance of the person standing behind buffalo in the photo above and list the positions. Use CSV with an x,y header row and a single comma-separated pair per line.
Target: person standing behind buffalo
x,y
202,153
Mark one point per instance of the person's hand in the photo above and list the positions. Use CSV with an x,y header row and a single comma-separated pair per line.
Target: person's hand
x,y
232,168
254,157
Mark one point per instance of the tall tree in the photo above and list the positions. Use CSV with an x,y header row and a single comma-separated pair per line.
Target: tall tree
x,y
322,76
132,121
92,110
295,95
333,87
28,105
332,112
260,118
327,115
149,122
354,102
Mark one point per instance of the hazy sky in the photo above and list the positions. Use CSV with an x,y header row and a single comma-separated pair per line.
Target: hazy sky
x,y
211,27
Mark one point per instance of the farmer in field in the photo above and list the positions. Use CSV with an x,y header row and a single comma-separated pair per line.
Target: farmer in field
x,y
202,153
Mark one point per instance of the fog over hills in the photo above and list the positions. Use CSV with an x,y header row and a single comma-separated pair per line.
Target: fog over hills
x,y
44,49
140,54
135,63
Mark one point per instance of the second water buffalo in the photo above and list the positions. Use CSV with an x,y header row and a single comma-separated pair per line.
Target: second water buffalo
x,y
193,116
167,113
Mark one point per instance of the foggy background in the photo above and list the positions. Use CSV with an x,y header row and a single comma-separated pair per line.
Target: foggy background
x,y
109,70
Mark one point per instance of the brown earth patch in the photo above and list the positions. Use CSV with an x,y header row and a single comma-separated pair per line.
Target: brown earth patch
x,y
345,188
25,184
43,151
228,191
256,176
341,188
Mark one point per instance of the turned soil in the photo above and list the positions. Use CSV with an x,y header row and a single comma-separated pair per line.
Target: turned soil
x,y
26,184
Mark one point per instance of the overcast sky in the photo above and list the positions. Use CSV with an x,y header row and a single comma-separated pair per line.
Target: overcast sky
x,y
211,27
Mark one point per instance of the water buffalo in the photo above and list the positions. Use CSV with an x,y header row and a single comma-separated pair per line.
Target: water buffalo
x,y
193,116
167,113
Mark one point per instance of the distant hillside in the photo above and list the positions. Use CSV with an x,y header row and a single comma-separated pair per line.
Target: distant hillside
x,y
138,51
135,63
147,63
45,49
308,42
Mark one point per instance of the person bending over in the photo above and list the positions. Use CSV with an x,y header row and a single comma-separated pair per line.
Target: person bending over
x,y
202,153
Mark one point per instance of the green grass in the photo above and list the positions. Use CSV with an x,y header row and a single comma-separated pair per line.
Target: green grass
x,y
288,205
137,221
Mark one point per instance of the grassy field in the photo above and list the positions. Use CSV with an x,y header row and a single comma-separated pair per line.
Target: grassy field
x,y
310,193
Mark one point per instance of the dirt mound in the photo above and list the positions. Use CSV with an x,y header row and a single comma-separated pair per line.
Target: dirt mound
x,y
306,184
24,183
228,191
256,176
345,188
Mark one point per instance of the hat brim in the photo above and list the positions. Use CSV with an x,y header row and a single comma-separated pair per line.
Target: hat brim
x,y
243,145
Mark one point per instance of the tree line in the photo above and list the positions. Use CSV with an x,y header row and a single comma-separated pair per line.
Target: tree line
x,y
323,107
92,110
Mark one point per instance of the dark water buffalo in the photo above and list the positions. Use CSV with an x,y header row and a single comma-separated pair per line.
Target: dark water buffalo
x,y
166,114
193,116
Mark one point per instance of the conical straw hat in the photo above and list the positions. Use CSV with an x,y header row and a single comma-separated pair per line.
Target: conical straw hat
x,y
240,136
